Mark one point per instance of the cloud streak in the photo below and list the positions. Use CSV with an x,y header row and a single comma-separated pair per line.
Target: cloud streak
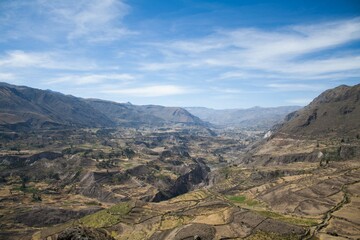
x,y
151,91
44,60
49,21
97,20
280,53
291,87
86,79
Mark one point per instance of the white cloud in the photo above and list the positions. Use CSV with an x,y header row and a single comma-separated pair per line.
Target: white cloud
x,y
6,76
288,87
250,52
21,59
97,20
151,91
300,101
47,60
259,45
92,21
93,78
323,66
233,74
160,66
227,90
296,41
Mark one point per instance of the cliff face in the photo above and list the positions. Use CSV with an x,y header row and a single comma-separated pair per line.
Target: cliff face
x,y
185,183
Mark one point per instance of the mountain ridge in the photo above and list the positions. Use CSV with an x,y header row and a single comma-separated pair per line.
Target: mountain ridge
x,y
25,108
334,112
126,113
326,129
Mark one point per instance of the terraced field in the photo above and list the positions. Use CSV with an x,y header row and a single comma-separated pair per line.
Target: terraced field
x,y
201,213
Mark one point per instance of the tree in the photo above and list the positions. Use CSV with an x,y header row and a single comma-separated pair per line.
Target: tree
x,y
36,197
24,180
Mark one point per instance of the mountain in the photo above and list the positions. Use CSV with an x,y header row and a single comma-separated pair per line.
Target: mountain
x,y
128,114
256,117
325,130
23,107
335,112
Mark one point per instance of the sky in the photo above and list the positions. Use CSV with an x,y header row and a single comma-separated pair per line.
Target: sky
x,y
217,54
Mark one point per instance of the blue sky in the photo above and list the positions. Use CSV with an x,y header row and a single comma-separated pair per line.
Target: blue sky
x,y
219,54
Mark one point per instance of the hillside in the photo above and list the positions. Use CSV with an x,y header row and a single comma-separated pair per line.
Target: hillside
x,y
133,115
256,117
25,108
326,129
335,112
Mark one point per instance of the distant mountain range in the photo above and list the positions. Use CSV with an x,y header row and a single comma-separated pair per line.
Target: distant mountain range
x,y
25,108
21,107
256,117
127,114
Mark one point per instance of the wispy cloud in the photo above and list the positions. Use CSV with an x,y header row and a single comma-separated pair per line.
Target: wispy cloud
x,y
151,91
226,90
161,66
6,76
299,101
290,87
277,53
92,21
22,59
98,20
85,79
47,60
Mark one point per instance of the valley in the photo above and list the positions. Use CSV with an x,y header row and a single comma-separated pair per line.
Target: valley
x,y
47,182
181,177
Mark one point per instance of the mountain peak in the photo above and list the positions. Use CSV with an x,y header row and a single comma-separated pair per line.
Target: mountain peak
x,y
339,93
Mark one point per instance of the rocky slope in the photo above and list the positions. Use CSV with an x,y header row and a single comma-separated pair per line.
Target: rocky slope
x,y
335,112
325,130
24,107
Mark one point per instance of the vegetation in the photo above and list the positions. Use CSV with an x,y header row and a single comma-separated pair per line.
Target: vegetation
x,y
289,219
242,200
107,217
26,189
226,172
